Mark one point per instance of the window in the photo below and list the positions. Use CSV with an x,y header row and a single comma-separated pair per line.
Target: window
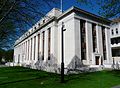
x,y
115,52
112,32
49,41
104,44
43,45
115,40
38,46
31,50
39,24
43,21
83,40
94,37
34,46
116,31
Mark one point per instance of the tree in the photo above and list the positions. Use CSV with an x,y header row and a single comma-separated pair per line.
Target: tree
x,y
2,54
9,55
107,8
6,54
16,16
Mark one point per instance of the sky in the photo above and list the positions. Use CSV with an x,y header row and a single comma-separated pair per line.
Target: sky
x,y
69,3
66,5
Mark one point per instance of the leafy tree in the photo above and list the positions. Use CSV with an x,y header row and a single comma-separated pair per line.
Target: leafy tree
x,y
107,8
6,54
16,16
9,55
2,54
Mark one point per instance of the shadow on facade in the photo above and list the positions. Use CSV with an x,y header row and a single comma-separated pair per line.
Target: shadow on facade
x,y
50,64
76,66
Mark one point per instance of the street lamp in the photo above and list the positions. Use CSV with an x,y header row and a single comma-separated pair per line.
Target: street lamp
x,y
62,62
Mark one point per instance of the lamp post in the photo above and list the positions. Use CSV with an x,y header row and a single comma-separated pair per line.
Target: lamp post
x,y
62,53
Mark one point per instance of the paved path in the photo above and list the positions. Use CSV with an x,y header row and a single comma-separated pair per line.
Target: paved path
x,y
116,86
2,65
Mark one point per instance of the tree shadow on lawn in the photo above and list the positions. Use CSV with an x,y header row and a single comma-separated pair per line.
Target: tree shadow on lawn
x,y
116,73
80,76
23,80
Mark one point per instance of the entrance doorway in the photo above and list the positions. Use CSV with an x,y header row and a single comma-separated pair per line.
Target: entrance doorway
x,y
97,60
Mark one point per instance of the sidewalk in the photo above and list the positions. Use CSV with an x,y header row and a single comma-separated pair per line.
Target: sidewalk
x,y
3,66
116,86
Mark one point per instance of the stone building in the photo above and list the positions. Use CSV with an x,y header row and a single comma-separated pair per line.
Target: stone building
x,y
86,41
115,40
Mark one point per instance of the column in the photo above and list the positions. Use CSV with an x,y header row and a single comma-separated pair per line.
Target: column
x,y
108,46
77,38
99,39
46,46
28,49
54,42
24,52
32,58
89,42
41,42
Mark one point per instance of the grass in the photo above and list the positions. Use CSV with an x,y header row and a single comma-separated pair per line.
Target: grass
x,y
19,77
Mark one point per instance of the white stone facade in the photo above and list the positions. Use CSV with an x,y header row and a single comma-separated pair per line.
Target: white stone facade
x,y
115,40
78,41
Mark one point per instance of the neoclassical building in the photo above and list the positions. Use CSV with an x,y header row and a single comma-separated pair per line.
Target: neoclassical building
x,y
86,41
115,40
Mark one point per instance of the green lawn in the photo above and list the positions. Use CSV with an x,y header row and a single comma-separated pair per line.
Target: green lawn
x,y
18,77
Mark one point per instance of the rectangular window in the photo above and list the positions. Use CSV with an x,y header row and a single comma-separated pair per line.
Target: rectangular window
x,y
83,40
43,45
116,31
104,43
31,50
112,32
38,46
94,37
49,41
34,46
